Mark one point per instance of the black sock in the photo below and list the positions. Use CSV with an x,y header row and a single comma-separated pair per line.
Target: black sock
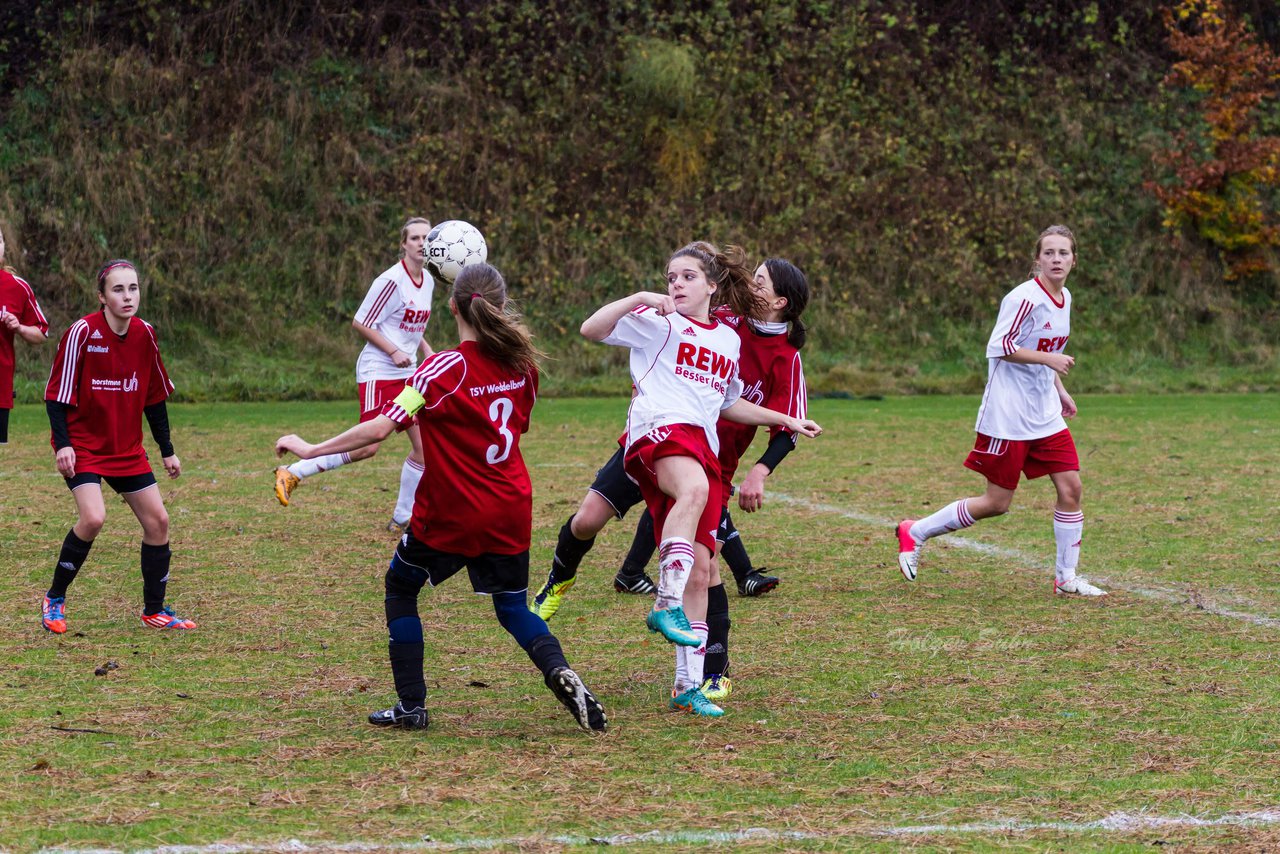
x,y
155,577
643,545
70,559
545,653
734,553
406,672
717,660
569,553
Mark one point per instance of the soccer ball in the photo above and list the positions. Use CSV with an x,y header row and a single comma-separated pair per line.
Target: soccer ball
x,y
452,245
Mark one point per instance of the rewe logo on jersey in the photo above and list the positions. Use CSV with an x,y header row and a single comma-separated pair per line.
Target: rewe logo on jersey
x,y
691,332
704,359
1052,345
96,334
416,315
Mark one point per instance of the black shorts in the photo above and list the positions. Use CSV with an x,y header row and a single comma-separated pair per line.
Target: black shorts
x,y
4,426
490,573
613,485
122,485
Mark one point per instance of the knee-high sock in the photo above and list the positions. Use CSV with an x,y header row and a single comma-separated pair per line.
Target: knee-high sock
x,y
734,554
1068,531
404,633
642,548
70,559
569,553
677,563
155,576
953,517
695,658
717,654
306,468
410,475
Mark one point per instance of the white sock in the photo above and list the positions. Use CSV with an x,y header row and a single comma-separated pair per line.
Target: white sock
x,y
410,474
953,517
1068,530
682,669
673,573
697,657
306,468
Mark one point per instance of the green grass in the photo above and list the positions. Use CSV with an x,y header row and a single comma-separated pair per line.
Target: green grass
x,y
861,703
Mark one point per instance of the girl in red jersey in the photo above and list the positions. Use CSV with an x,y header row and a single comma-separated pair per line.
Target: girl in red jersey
x,y
20,317
106,377
684,366
1021,427
473,404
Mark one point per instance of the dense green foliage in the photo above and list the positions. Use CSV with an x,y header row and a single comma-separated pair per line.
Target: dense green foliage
x,y
257,159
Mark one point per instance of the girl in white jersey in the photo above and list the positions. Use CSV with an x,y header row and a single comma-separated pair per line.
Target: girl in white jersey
x,y
392,320
684,366
1021,427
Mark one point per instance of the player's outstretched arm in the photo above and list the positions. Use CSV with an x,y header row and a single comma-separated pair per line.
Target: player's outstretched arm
x,y
356,437
598,326
748,413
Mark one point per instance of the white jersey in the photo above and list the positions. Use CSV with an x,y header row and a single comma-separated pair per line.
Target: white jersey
x,y
1021,401
398,306
684,371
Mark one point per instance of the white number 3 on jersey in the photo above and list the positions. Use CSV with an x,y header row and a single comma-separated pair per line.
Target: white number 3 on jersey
x,y
500,413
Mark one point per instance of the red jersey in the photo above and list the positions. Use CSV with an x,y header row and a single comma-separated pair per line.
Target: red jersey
x,y
476,497
772,377
106,380
16,297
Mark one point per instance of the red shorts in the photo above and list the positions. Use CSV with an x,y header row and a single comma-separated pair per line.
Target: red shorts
x,y
377,394
1002,460
676,440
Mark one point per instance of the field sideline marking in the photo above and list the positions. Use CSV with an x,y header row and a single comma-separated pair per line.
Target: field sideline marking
x,y
1123,822
1147,591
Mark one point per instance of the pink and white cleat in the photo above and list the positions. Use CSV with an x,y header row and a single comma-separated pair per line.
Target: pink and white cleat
x,y
908,549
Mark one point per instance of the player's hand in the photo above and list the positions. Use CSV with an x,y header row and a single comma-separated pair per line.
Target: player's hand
x,y
293,444
751,491
1069,408
172,466
10,320
663,303
804,427
65,459
401,359
1060,362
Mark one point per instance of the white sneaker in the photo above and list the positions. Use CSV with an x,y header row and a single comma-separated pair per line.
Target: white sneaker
x,y
908,549
1077,586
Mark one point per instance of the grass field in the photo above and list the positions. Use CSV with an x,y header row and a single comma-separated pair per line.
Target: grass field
x,y
973,709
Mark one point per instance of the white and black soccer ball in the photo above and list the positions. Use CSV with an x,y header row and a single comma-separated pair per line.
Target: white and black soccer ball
x,y
452,245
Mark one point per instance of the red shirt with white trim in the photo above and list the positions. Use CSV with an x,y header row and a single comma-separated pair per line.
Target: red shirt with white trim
x,y
106,380
1021,401
398,306
17,298
684,371
476,497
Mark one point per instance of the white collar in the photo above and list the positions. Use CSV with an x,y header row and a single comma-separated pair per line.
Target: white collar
x,y
765,328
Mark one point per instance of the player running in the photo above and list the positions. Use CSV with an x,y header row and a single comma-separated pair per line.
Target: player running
x,y
1021,427
684,367
393,320
20,317
473,403
106,376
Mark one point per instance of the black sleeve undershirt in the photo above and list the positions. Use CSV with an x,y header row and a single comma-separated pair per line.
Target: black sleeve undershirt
x,y
779,446
158,417
58,424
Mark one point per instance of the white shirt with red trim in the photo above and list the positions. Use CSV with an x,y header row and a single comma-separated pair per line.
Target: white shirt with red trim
x,y
398,306
684,371
1021,401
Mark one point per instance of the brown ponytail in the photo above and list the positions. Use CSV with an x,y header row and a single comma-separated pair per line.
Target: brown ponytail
x,y
480,296
728,269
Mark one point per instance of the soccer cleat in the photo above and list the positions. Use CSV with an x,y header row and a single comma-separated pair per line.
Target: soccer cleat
x,y
286,483
396,528
639,584
550,597
908,549
399,716
756,583
569,690
1077,586
696,703
166,619
717,688
673,625
53,615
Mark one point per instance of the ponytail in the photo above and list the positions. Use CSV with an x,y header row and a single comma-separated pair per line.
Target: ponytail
x,y
790,282
729,271
480,297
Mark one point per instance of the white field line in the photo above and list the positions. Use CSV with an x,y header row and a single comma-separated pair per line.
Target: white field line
x,y
1155,592
1117,822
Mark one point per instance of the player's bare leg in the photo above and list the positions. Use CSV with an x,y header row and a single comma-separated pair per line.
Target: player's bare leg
x,y
148,506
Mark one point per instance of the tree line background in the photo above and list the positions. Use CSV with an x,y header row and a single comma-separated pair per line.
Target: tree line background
x,y
256,160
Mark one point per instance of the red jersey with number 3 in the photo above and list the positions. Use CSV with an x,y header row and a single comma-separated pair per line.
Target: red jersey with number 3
x,y
17,298
476,497
107,380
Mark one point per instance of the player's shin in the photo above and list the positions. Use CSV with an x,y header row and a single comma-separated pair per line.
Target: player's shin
x,y
155,576
676,554
1068,532
404,630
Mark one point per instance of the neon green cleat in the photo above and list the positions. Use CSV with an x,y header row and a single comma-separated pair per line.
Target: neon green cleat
x,y
673,625
550,598
695,702
717,688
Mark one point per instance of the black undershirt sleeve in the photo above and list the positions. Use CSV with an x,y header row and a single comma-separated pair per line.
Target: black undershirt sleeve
x,y
58,424
158,417
779,446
